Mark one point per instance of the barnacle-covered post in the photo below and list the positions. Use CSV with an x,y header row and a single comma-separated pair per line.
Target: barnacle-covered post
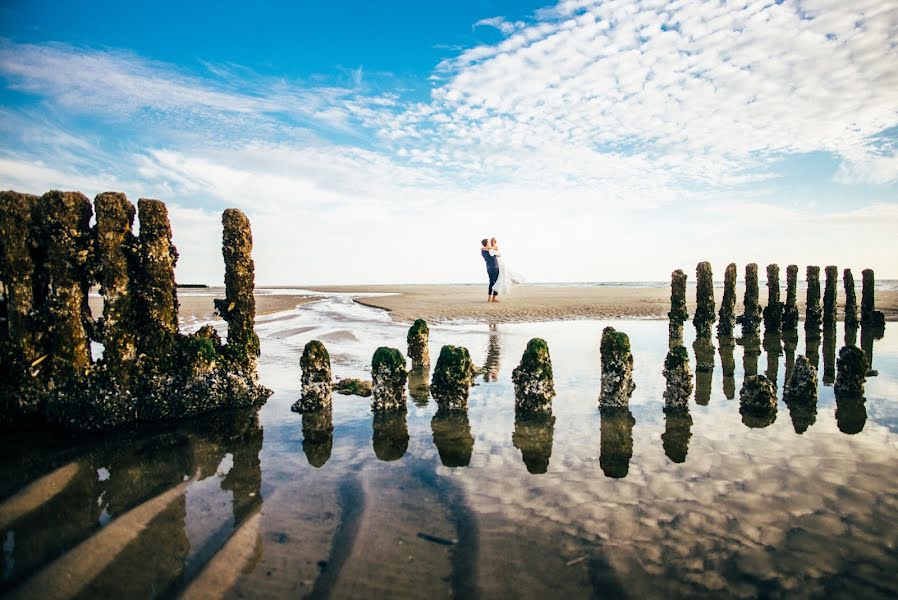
x,y
617,369
115,259
850,299
812,311
418,339
317,381
851,372
802,383
773,312
678,312
751,315
727,313
239,306
533,384
452,378
704,300
388,376
829,295
790,310
757,401
156,290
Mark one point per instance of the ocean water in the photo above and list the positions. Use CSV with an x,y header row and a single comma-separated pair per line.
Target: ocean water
x,y
417,504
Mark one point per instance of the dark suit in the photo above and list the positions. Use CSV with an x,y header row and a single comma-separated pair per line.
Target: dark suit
x,y
492,270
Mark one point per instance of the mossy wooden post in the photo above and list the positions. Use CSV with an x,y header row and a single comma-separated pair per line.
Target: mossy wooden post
x,y
751,315
115,259
62,220
813,312
533,383
829,295
704,300
616,442
317,381
790,310
773,312
418,339
617,369
678,376
239,306
388,376
851,372
156,289
850,299
452,378
727,314
678,312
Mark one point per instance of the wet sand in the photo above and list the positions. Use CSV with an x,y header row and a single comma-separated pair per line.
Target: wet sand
x,y
543,303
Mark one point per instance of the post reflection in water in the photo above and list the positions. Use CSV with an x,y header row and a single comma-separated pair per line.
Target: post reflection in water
x,y
677,433
868,334
728,366
773,347
318,436
829,353
419,386
491,366
812,346
390,438
533,437
851,335
704,369
851,415
452,437
790,344
751,352
616,442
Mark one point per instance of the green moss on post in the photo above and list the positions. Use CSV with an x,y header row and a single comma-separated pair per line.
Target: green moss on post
x,y
533,383
418,339
773,312
239,306
790,310
156,290
617,369
452,378
850,299
316,378
353,387
704,300
727,313
389,377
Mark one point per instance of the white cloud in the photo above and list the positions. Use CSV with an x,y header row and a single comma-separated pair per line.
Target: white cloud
x,y
500,23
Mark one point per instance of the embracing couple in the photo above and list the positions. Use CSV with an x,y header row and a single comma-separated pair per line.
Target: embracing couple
x,y
501,277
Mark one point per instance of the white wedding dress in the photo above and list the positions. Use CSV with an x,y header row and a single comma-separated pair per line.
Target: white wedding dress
x,y
508,278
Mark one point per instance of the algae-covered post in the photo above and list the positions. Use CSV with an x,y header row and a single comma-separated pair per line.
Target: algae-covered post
x,y
678,376
813,312
418,339
850,299
239,306
869,315
790,310
156,291
617,369
751,315
452,378
317,382
678,312
829,294
851,372
704,300
773,312
727,313
388,376
533,383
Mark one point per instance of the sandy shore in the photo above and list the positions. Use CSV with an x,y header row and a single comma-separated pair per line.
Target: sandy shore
x,y
542,303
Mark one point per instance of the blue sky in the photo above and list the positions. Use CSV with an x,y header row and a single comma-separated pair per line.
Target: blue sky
x,y
377,142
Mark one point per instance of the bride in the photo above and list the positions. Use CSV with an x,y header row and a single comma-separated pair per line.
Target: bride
x,y
507,277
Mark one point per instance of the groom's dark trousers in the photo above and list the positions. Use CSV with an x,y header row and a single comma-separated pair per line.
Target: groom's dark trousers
x,y
492,270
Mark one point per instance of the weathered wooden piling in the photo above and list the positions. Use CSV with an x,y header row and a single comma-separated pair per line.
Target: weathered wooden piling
x,y
239,305
317,381
751,313
617,369
869,315
790,310
813,313
388,376
678,312
452,378
156,290
829,294
418,339
801,386
850,299
727,314
678,376
533,383
773,312
851,373
704,300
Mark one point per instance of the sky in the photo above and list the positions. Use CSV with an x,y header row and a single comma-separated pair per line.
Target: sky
x,y
379,142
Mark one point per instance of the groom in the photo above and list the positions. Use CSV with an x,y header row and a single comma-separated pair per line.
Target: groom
x,y
492,270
